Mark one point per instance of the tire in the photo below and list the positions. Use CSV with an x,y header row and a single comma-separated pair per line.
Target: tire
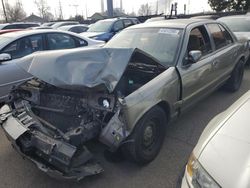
x,y
234,82
147,137
248,62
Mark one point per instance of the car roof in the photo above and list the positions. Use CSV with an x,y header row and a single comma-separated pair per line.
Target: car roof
x,y
58,23
28,32
69,26
235,17
16,23
115,19
173,23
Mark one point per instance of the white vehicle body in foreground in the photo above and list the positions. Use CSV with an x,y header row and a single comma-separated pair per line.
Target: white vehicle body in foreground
x,y
221,157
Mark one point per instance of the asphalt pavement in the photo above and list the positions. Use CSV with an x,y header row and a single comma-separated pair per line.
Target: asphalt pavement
x,y
163,172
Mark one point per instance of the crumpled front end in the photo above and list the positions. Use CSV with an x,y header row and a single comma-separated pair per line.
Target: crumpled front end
x,y
53,152
54,124
53,127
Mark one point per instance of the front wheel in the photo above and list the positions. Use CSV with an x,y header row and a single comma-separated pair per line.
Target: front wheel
x,y
234,82
147,137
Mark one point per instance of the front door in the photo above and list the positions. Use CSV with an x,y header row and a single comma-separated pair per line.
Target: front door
x,y
197,78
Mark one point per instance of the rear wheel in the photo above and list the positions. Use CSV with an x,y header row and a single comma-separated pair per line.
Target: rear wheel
x,y
234,82
147,138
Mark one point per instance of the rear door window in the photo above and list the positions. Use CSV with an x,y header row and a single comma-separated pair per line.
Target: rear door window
x,y
58,41
218,37
226,34
80,42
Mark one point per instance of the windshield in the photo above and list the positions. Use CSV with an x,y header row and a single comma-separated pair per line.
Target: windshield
x,y
101,26
161,43
237,24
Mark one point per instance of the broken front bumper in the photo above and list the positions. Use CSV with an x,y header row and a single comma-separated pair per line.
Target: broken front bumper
x,y
51,155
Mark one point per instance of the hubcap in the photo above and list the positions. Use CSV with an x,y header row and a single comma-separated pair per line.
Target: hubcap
x,y
148,136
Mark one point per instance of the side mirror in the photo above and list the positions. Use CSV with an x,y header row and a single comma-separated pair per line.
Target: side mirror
x,y
194,56
5,57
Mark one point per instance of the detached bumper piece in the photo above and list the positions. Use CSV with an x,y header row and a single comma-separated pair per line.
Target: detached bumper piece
x,y
52,155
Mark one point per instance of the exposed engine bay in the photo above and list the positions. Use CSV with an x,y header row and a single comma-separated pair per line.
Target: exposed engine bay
x,y
59,122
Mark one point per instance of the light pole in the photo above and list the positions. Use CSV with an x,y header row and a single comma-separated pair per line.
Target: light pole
x,y
110,8
75,6
5,15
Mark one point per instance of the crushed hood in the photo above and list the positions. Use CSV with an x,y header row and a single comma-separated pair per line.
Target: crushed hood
x,y
77,68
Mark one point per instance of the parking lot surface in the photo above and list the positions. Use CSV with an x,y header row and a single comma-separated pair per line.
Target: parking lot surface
x,y
182,136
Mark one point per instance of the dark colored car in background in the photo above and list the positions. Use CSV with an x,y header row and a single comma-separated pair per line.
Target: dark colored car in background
x,y
80,28
20,25
105,29
60,24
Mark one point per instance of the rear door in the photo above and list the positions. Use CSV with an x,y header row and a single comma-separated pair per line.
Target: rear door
x,y
226,51
198,78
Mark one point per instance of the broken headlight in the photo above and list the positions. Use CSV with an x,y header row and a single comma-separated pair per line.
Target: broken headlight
x,y
198,175
105,103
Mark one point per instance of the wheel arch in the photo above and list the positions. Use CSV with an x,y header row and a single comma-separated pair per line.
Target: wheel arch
x,y
164,105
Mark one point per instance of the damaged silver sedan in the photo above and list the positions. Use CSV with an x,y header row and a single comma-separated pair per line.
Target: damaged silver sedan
x,y
124,97
69,103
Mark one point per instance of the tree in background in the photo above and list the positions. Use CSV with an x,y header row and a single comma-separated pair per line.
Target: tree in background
x,y
236,5
4,11
79,18
60,16
44,9
16,12
116,12
144,10
240,5
219,5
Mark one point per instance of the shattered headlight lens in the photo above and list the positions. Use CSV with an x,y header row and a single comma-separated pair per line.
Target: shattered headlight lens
x,y
199,177
105,103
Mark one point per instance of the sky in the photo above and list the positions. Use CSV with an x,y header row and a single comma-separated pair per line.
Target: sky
x,y
89,7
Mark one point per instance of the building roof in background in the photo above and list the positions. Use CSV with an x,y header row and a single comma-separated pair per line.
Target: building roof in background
x,y
34,18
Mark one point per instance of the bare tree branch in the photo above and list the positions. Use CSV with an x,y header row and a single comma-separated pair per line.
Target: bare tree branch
x,y
16,12
145,10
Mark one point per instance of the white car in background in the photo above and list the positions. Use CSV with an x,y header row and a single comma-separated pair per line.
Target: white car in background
x,y
240,25
19,44
221,157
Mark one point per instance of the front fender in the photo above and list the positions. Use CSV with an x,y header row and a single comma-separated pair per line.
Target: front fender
x,y
165,87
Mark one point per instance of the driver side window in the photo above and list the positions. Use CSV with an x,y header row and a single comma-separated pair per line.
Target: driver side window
x,y
199,40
